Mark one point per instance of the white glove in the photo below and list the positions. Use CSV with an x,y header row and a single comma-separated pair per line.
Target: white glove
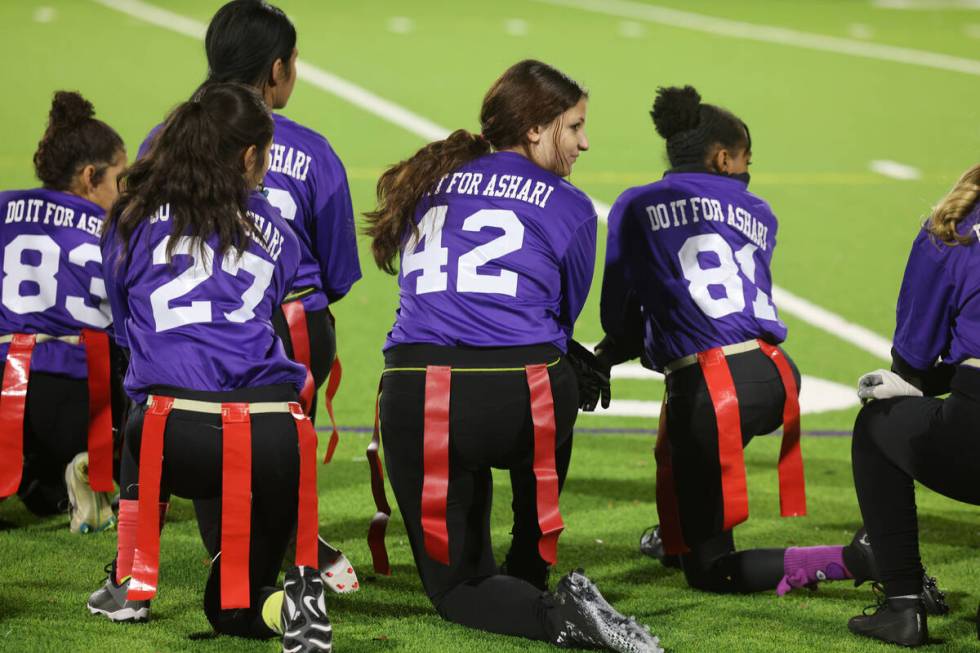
x,y
884,384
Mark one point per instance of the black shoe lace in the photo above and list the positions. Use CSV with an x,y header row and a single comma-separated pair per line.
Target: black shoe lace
x,y
880,600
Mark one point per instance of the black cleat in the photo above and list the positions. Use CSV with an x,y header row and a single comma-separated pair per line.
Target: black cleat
x,y
651,544
589,621
860,561
898,621
306,628
110,600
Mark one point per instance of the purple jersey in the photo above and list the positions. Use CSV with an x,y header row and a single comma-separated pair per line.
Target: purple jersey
x,y
200,323
52,274
307,182
692,251
938,314
504,258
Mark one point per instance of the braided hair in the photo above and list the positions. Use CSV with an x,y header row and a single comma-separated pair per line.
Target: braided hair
x,y
694,129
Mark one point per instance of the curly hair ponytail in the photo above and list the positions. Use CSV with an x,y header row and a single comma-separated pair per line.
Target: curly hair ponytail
x,y
954,207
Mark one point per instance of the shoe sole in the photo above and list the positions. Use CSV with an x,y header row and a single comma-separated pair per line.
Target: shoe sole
x,y
78,523
126,615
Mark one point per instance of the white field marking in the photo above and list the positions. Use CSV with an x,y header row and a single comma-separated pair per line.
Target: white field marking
x,y
895,170
356,95
516,27
861,31
428,130
930,5
771,34
632,29
45,14
401,24
817,396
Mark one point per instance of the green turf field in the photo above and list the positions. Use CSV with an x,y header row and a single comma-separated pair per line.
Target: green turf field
x,y
895,85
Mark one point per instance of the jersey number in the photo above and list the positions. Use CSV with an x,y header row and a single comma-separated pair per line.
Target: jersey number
x,y
724,275
431,259
168,317
16,273
282,200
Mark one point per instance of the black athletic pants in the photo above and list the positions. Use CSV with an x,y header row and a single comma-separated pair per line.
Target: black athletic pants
x,y
192,462
896,441
56,430
712,563
323,349
489,427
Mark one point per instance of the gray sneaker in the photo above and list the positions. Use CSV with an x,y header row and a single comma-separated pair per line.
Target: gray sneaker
x,y
306,628
589,620
110,600
91,511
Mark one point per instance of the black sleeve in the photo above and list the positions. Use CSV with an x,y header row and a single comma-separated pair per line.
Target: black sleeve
x,y
629,345
932,382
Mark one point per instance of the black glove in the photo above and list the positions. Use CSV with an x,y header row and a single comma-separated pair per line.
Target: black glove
x,y
592,376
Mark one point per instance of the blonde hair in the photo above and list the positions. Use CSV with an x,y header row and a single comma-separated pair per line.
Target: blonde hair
x,y
952,208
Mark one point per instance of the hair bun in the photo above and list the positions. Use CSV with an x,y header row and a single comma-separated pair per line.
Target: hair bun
x,y
676,110
68,109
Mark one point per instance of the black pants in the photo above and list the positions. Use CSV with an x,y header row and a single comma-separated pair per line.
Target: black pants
x,y
490,427
323,345
192,464
56,430
896,441
712,563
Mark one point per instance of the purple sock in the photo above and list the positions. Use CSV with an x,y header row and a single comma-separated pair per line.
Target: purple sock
x,y
808,565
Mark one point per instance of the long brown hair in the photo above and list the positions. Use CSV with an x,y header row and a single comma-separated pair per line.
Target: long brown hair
x,y
529,94
954,207
196,166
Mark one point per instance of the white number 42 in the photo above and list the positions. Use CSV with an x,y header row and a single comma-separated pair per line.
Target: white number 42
x,y
433,257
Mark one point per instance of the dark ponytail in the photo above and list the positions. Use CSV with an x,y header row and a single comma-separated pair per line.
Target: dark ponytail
x,y
74,139
244,40
529,94
196,166
693,129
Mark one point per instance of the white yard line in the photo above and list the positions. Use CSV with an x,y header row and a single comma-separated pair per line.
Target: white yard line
x,y
926,5
771,34
895,170
428,130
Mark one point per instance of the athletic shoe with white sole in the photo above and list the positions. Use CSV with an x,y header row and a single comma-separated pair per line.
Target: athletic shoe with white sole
x,y
90,511
305,626
110,600
590,622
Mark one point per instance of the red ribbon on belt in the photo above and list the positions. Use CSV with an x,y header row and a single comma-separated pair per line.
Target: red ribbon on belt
x,y
99,410
13,399
236,504
146,559
435,462
236,500
545,474
667,508
792,483
299,335
731,457
379,523
333,383
308,518
721,388
435,483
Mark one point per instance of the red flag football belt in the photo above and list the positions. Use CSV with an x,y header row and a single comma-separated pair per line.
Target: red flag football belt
x,y
300,337
435,483
721,388
236,493
13,397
